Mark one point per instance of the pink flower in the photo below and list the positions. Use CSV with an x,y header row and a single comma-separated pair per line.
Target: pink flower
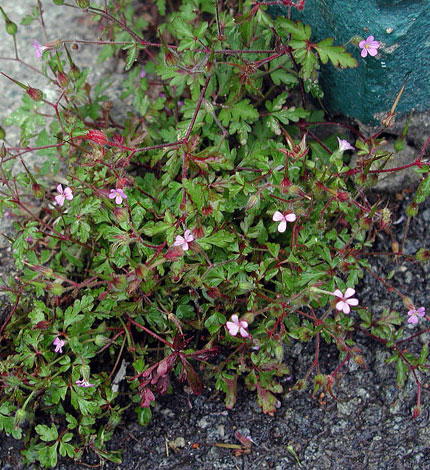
x,y
66,194
118,194
58,343
345,300
142,73
185,240
344,145
369,46
283,219
39,49
235,326
83,383
414,314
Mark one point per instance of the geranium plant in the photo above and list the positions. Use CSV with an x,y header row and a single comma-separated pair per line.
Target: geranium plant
x,y
199,237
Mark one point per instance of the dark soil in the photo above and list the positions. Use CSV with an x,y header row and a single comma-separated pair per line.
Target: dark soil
x,y
367,426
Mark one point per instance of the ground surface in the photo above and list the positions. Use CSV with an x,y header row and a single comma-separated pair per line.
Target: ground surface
x,y
368,427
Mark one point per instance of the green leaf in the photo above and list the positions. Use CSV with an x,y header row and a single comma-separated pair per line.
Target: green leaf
x,y
47,433
297,29
336,54
131,57
48,455
215,322
423,190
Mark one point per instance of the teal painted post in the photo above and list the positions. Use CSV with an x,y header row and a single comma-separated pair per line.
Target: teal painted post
x,y
368,91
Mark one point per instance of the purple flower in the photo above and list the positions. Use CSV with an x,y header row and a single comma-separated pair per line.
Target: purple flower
x,y
236,326
283,219
185,240
142,73
58,343
369,46
344,145
39,49
66,194
118,194
84,383
345,300
414,314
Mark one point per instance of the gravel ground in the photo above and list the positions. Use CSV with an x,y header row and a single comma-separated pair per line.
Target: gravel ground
x,y
369,426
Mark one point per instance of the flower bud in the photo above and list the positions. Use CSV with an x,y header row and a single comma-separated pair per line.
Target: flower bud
x,y
121,214
416,412
101,340
141,271
38,191
2,133
285,184
407,302
342,196
97,136
120,282
253,201
75,73
63,80
11,28
35,94
365,223
423,255
360,361
169,58
207,210
412,209
173,253
198,232
20,417
55,288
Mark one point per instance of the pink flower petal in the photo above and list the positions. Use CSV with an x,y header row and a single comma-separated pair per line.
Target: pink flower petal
x,y
277,216
291,217
59,199
349,292
282,226
179,241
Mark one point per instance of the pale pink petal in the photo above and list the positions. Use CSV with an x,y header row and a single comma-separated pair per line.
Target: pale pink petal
x,y
338,293
59,199
235,318
243,324
282,226
421,311
243,333
353,302
413,319
118,198
277,216
349,292
372,52
364,52
369,39
188,236
362,44
179,241
185,246
233,329
346,308
68,194
291,217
